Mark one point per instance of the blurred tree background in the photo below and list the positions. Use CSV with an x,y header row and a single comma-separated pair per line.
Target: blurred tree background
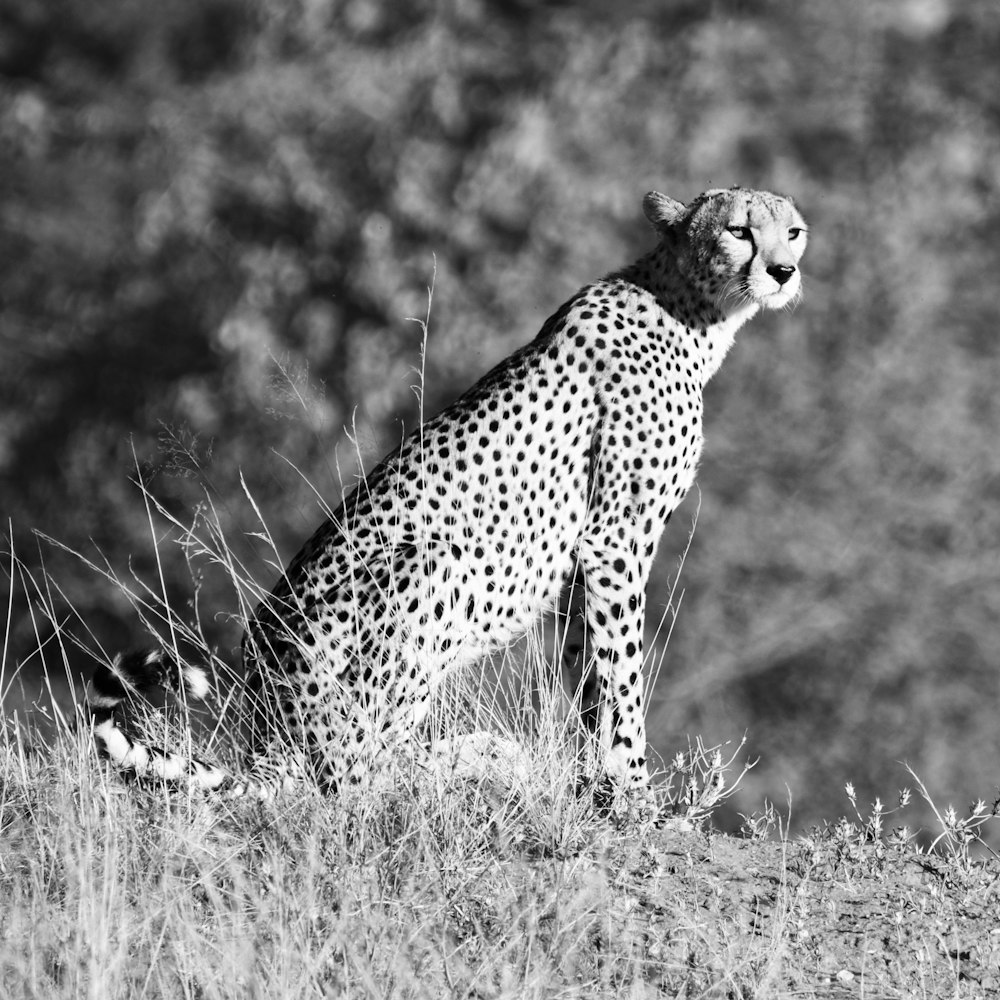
x,y
216,215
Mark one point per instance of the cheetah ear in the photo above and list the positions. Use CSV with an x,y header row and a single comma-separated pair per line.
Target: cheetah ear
x,y
662,211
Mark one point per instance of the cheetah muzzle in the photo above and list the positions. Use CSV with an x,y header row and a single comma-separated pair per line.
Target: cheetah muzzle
x,y
556,473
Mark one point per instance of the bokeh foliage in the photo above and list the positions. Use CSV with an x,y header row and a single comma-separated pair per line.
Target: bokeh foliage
x,y
215,217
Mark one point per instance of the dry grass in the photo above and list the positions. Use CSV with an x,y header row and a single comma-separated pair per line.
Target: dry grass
x,y
428,883
437,883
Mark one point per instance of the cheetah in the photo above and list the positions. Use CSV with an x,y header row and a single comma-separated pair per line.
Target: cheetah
x,y
556,473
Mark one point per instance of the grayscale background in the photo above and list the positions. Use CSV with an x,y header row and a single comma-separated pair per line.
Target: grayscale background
x,y
216,216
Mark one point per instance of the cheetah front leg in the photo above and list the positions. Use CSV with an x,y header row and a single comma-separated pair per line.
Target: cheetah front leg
x,y
614,609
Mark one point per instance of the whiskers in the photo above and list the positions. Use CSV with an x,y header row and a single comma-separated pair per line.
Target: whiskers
x,y
742,290
793,301
736,292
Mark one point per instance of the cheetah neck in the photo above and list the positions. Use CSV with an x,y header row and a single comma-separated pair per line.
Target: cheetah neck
x,y
713,342
709,329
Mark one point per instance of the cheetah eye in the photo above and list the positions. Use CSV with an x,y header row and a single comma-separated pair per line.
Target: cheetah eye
x,y
794,233
740,232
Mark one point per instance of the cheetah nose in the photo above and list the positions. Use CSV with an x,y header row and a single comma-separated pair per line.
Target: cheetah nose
x,y
781,272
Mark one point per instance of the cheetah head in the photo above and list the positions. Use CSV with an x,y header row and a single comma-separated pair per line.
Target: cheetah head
x,y
737,247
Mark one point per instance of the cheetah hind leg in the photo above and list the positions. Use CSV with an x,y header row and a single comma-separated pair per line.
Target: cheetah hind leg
x,y
367,728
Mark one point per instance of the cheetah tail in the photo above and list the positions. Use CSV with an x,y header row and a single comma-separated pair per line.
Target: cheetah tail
x,y
143,672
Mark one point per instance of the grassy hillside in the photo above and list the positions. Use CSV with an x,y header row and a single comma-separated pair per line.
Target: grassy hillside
x,y
440,883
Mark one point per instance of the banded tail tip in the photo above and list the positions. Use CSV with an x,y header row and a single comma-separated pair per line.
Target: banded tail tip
x,y
144,671
196,680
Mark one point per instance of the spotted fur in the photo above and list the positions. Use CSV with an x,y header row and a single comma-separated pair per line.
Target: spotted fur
x,y
560,466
